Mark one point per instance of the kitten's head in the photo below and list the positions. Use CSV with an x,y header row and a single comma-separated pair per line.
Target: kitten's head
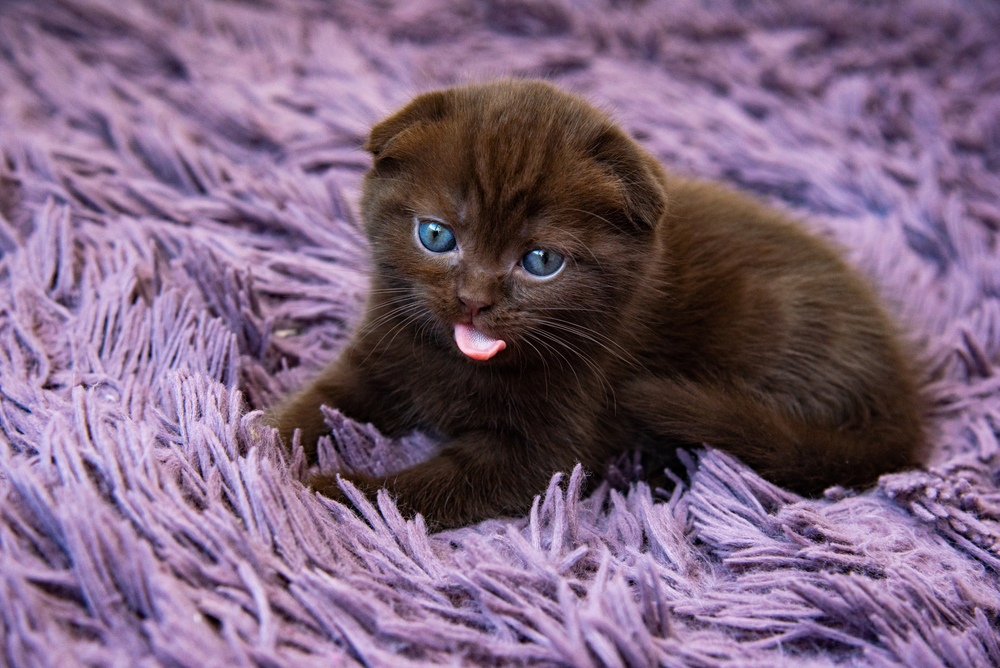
x,y
510,220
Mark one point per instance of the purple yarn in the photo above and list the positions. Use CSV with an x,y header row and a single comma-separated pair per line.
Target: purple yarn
x,y
178,250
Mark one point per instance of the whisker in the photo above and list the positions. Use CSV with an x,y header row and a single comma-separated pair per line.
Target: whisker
x,y
606,385
408,182
396,329
545,365
592,335
580,241
595,337
389,315
395,300
573,309
399,328
537,334
601,376
422,332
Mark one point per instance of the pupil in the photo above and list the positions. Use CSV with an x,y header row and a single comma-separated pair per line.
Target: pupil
x,y
542,262
434,236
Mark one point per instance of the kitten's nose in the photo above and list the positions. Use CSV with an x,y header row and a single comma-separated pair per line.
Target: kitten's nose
x,y
474,307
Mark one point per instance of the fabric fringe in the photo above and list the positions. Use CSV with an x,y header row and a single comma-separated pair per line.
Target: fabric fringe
x,y
178,250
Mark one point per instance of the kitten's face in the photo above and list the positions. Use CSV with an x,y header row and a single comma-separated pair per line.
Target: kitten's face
x,y
501,220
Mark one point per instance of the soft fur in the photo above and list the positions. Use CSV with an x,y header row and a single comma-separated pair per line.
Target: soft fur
x,y
685,313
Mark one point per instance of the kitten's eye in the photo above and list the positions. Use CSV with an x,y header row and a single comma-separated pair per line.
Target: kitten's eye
x,y
436,237
542,262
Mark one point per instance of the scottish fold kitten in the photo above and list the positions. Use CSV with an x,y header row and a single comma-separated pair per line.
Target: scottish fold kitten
x,y
543,294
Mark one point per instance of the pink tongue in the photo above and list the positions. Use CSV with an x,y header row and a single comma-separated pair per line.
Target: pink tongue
x,y
475,344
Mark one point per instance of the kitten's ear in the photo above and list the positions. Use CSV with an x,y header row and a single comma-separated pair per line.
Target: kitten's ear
x,y
423,109
641,191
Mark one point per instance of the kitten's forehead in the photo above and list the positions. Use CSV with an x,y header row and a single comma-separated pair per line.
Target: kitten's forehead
x,y
497,159
521,152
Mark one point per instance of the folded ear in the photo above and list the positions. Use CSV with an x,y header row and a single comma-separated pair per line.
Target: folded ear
x,y
636,174
423,109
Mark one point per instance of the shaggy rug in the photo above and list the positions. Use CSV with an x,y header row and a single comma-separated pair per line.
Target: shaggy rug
x,y
178,181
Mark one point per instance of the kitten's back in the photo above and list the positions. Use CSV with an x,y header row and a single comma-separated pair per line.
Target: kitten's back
x,y
788,359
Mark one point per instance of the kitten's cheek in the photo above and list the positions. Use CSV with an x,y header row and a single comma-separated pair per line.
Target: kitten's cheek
x,y
475,344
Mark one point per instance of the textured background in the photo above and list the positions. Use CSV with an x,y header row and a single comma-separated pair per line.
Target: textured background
x,y
177,187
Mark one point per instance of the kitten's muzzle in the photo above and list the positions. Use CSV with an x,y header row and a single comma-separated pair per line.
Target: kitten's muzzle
x,y
473,307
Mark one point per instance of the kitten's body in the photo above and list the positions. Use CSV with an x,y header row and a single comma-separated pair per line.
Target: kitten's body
x,y
684,313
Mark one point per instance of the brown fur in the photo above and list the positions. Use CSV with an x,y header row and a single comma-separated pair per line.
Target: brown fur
x,y
686,313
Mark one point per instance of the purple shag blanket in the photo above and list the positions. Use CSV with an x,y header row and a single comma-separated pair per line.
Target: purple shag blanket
x,y
179,248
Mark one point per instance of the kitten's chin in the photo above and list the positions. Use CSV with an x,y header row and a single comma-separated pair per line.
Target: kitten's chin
x,y
475,344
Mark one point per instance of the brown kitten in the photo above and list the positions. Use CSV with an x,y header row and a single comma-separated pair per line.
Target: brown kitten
x,y
544,294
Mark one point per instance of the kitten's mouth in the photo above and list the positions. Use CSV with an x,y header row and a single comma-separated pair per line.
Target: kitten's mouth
x,y
475,344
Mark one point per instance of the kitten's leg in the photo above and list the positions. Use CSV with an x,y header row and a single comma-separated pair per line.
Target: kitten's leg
x,y
802,452
342,385
477,476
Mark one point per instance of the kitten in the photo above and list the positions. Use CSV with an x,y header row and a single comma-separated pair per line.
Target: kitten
x,y
543,294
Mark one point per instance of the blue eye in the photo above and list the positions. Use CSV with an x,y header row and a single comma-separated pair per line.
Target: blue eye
x,y
542,262
436,237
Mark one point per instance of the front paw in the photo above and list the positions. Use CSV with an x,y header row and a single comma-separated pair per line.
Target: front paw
x,y
362,496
